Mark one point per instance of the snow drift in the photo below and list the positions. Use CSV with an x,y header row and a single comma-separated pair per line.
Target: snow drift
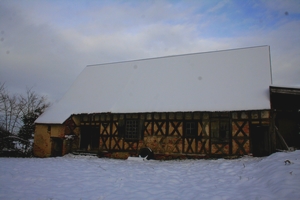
x,y
84,177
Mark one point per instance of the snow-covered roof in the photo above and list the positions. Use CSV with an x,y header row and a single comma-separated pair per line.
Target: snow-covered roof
x,y
286,86
227,80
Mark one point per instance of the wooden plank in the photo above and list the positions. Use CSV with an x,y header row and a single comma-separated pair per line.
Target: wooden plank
x,y
281,139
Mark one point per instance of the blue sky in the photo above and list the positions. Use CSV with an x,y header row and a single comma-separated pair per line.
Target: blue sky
x,y
46,44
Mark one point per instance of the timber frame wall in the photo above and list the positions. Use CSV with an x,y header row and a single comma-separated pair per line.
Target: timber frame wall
x,y
176,133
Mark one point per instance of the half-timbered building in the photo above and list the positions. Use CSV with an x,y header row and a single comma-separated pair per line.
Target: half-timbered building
x,y
194,105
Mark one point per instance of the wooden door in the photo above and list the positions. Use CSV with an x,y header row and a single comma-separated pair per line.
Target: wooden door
x,y
89,138
57,145
259,140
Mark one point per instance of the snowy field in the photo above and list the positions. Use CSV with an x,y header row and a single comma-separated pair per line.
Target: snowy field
x,y
84,177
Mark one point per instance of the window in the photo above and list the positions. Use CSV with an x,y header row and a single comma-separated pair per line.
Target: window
x,y
219,130
49,129
190,129
131,129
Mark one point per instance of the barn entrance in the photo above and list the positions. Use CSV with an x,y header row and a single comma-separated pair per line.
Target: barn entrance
x,y
89,138
288,125
259,138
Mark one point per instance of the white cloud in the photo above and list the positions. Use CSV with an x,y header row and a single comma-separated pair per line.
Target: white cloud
x,y
218,6
37,55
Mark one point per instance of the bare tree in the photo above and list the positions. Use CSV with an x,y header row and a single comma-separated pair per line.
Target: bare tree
x,y
14,107
31,102
10,110
32,107
17,116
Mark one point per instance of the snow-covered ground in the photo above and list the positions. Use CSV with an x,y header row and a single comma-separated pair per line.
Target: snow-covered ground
x,y
82,177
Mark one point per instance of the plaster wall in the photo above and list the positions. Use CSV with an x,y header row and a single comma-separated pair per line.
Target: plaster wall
x,y
42,142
